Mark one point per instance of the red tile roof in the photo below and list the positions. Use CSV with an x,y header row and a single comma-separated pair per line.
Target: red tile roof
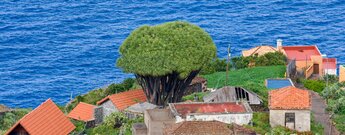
x,y
260,50
83,112
198,128
301,52
46,119
329,63
289,98
205,128
226,107
125,99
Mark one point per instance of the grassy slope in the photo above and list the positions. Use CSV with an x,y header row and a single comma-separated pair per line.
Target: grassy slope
x,y
250,78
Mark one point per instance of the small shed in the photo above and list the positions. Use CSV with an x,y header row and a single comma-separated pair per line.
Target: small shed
x,y
233,94
198,84
290,107
118,102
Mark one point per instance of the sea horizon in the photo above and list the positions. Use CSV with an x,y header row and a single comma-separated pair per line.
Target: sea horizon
x,y
55,49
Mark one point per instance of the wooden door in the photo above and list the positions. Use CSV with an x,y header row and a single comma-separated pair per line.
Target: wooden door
x,y
316,68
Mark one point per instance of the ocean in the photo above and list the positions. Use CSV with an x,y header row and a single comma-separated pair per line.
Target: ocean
x,y
58,49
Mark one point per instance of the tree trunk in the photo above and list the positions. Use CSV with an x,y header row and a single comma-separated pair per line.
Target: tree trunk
x,y
161,90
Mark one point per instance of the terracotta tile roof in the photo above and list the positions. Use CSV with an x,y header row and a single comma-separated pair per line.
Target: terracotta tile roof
x,y
83,112
205,128
184,109
125,99
289,98
301,52
46,119
260,50
329,63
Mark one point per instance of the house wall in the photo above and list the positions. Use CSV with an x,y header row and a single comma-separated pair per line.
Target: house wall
x,y
341,73
108,108
330,71
318,60
302,64
302,119
155,126
238,118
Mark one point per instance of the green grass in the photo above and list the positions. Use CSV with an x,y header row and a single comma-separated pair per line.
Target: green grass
x,y
261,123
243,77
339,121
250,78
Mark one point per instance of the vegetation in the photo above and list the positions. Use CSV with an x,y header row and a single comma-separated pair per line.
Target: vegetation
x,y
200,96
251,78
261,123
335,97
314,85
315,127
115,124
216,65
261,126
96,95
268,59
8,119
165,58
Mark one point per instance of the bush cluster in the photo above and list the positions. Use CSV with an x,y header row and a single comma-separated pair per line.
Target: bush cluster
x,y
314,85
8,119
114,124
335,97
269,59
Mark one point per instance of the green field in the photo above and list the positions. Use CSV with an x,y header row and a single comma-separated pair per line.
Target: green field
x,y
249,78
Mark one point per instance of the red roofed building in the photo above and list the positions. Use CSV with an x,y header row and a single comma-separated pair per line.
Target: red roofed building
x,y
290,107
206,128
83,112
120,101
46,119
309,59
330,66
227,112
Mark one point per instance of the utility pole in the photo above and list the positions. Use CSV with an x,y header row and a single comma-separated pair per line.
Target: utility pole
x,y
227,66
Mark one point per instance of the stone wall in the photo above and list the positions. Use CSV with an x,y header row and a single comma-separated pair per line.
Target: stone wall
x,y
302,119
108,108
98,114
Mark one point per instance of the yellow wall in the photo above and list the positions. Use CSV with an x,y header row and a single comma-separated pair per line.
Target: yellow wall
x,y
341,73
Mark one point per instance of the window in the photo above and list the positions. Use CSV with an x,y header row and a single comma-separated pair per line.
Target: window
x,y
289,117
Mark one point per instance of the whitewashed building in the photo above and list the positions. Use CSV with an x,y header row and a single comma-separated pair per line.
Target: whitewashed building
x,y
228,112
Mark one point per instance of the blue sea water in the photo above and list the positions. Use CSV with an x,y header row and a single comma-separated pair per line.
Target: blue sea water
x,y
52,49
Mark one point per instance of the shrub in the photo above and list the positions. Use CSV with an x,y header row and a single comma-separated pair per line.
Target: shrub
x,y
115,124
339,121
314,85
200,96
10,118
268,59
216,65
120,87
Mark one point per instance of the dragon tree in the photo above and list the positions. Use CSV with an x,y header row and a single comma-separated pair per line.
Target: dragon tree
x,y
165,58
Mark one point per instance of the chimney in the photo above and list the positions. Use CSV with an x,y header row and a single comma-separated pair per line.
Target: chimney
x,y
279,44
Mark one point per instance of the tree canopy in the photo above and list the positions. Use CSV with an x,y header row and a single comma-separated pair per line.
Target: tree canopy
x,y
166,48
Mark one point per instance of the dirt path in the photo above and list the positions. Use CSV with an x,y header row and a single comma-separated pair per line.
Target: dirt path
x,y
320,114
